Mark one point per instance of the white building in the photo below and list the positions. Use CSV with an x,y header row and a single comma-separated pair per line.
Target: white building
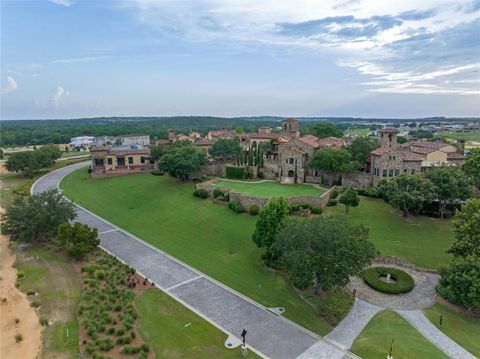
x,y
105,141
82,141
135,139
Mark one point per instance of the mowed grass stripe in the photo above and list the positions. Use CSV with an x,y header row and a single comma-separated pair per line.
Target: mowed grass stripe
x,y
207,236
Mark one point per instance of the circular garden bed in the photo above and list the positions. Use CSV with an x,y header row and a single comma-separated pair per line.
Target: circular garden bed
x,y
399,281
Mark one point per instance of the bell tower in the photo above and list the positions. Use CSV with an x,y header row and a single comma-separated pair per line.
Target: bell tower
x,y
290,127
388,138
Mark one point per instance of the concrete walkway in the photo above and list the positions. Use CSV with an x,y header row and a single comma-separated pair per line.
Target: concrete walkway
x,y
420,322
268,335
352,325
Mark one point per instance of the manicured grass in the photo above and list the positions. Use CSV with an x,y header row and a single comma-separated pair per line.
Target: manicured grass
x,y
270,189
420,240
375,339
74,153
400,281
360,132
188,335
463,329
207,236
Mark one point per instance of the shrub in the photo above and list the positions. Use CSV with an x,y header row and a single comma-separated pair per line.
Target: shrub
x,y
217,193
17,320
253,210
44,321
332,203
226,197
260,175
35,304
18,338
145,348
131,349
402,282
317,209
235,172
304,205
200,193
100,274
31,292
20,275
235,206
294,207
334,193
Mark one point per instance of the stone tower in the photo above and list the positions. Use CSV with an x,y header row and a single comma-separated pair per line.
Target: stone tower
x,y
290,127
171,134
388,137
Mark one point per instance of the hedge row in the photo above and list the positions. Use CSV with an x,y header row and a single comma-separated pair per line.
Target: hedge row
x,y
401,283
235,172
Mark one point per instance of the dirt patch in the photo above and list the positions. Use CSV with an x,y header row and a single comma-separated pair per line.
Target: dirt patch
x,y
15,307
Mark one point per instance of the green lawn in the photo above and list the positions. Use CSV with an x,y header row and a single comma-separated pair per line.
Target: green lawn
x,y
207,236
420,240
375,339
463,329
270,188
188,335
360,132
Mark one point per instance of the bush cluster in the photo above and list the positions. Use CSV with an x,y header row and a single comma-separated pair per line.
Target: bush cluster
x,y
200,193
235,206
317,209
332,203
106,310
235,172
401,283
253,210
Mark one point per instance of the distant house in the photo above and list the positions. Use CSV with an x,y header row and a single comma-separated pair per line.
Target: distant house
x,y
120,160
105,141
135,139
82,142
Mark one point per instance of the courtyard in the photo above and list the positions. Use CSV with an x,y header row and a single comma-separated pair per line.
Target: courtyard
x,y
270,188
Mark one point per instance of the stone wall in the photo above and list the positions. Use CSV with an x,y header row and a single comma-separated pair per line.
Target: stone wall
x,y
246,201
359,180
389,260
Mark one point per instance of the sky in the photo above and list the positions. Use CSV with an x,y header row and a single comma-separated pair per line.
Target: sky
x,y
359,58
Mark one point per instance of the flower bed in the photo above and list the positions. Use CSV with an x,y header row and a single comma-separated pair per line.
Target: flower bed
x,y
400,281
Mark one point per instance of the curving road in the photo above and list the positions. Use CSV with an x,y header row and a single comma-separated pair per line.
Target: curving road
x,y
269,335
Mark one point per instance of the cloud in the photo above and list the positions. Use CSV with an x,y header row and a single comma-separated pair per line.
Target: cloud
x,y
10,86
395,45
74,60
63,2
59,96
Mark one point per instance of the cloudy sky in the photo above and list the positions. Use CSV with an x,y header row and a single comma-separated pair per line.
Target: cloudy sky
x,y
364,58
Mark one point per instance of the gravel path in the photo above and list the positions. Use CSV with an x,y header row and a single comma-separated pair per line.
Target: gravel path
x,y
422,296
352,325
269,335
418,320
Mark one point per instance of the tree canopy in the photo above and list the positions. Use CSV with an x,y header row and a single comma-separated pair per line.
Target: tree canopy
x,y
226,148
361,148
30,162
77,239
156,152
325,251
472,168
333,160
349,199
409,193
268,224
466,227
37,217
322,130
183,160
450,184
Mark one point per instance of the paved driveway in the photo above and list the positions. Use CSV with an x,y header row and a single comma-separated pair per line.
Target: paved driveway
x,y
268,334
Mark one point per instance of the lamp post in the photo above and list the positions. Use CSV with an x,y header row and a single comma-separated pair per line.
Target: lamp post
x,y
391,348
244,346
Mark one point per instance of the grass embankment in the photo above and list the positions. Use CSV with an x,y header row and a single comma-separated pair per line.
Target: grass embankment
x,y
463,329
57,286
454,135
420,240
270,189
375,339
188,335
205,235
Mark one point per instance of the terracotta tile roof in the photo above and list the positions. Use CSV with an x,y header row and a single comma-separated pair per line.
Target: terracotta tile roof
x,y
455,156
263,135
411,156
331,142
220,133
427,144
99,148
310,140
163,142
423,150
202,142
380,151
